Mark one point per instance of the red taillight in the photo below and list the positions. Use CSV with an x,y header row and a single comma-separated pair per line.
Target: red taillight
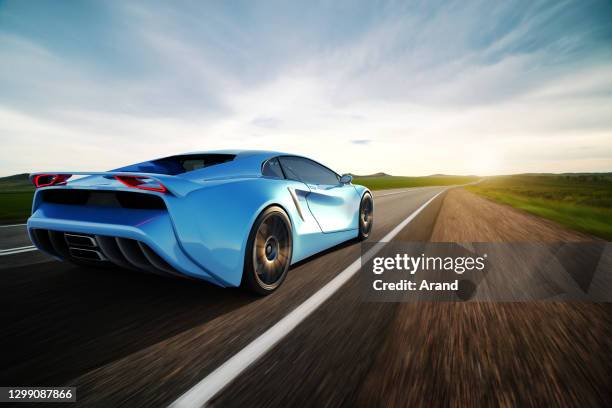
x,y
46,180
142,183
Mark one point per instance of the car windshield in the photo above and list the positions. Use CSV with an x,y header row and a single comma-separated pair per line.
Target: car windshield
x,y
174,165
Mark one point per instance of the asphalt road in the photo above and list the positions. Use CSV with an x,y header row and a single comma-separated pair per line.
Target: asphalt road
x,y
13,236
447,354
126,339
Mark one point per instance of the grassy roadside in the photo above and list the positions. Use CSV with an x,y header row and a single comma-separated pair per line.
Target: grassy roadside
x,y
580,202
16,194
385,182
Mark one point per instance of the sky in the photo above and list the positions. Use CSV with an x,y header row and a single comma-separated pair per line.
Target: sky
x,y
402,87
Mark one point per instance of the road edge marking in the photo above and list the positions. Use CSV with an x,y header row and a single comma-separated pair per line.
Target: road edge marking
x,y
16,248
408,190
12,225
13,251
216,381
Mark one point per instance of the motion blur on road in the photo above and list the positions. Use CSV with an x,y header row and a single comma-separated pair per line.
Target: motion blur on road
x,y
128,339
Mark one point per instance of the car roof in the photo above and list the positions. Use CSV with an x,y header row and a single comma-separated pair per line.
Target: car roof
x,y
246,162
242,153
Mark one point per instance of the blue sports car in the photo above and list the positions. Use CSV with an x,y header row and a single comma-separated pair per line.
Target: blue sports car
x,y
229,217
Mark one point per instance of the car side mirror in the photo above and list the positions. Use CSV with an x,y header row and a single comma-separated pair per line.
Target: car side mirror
x,y
346,179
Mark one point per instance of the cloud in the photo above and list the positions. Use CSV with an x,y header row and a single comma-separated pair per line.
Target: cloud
x,y
523,86
266,122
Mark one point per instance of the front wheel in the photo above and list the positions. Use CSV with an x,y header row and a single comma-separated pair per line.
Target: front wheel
x,y
366,216
268,253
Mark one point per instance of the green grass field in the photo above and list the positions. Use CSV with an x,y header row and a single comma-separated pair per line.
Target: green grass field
x,y
582,202
385,182
15,198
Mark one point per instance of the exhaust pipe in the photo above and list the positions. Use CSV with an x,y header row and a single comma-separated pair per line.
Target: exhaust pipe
x,y
80,240
87,254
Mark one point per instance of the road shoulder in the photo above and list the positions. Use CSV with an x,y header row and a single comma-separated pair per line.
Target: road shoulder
x,y
466,217
466,354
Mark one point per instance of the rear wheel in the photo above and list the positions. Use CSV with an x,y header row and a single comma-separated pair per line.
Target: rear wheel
x,y
366,216
268,253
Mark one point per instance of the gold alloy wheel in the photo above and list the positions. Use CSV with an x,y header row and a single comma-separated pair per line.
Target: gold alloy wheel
x,y
271,250
366,216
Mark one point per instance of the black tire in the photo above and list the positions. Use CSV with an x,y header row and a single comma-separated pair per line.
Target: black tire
x,y
366,216
268,253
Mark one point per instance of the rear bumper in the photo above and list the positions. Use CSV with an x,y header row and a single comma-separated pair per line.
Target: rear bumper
x,y
130,238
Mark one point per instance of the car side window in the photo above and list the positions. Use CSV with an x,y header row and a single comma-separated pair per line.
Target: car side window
x,y
308,171
272,168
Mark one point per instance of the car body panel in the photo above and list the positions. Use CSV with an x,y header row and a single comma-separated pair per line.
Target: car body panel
x,y
333,206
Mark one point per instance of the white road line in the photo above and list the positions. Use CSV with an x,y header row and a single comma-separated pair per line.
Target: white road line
x,y
12,225
207,388
389,194
409,189
398,192
14,251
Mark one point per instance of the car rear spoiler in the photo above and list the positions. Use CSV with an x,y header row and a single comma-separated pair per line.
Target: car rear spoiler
x,y
144,181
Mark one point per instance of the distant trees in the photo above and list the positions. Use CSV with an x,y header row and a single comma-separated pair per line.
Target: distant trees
x,y
584,178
